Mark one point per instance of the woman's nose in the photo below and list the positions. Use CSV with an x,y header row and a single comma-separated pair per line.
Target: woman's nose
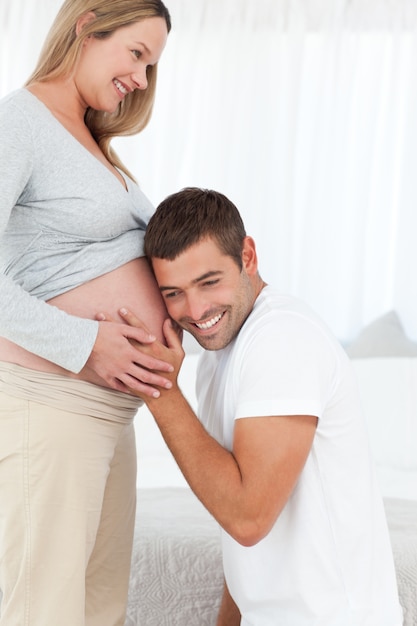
x,y
140,79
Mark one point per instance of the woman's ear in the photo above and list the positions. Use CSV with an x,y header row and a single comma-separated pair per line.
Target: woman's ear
x,y
83,21
249,256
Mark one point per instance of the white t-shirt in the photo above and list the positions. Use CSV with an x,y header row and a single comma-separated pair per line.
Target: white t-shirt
x,y
327,561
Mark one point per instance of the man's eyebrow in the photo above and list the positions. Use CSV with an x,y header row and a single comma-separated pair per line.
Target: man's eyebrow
x,y
167,288
194,281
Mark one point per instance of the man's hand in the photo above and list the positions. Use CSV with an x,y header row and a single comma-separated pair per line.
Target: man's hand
x,y
172,353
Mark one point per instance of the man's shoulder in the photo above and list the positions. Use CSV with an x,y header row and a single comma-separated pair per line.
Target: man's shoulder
x,y
285,320
272,303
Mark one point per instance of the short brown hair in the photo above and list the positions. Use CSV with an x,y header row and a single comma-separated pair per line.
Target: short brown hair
x,y
192,214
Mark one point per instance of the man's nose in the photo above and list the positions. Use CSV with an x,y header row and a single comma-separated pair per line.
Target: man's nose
x,y
197,308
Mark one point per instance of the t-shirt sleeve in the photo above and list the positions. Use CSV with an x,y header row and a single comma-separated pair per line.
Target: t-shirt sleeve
x,y
287,369
26,320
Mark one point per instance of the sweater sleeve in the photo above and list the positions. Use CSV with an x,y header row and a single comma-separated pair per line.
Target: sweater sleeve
x,y
29,322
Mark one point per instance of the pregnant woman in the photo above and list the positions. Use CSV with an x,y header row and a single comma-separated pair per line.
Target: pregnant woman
x,y
72,221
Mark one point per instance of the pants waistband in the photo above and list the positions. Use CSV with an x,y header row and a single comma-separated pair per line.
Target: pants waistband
x,y
67,393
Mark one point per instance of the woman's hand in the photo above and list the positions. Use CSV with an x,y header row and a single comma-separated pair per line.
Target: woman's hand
x,y
118,361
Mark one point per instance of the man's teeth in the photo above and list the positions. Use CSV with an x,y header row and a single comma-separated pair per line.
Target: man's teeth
x,y
119,86
210,323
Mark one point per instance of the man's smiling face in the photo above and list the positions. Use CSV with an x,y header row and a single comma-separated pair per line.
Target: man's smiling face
x,y
206,292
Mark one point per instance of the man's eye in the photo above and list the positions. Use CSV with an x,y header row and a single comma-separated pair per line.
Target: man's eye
x,y
171,294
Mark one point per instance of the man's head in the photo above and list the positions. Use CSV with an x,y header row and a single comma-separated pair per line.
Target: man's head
x,y
190,215
204,263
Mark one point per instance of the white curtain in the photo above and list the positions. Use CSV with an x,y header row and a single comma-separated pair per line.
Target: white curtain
x,y
303,112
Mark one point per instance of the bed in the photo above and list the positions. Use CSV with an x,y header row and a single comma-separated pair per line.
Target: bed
x,y
177,577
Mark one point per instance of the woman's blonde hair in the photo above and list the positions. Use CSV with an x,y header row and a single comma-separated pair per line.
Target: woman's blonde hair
x,y
61,52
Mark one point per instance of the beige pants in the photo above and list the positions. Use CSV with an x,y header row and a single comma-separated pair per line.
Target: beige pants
x,y
67,500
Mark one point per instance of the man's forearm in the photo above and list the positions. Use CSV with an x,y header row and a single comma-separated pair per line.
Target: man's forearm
x,y
210,469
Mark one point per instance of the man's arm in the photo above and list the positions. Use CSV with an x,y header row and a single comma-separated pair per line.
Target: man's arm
x,y
245,489
229,614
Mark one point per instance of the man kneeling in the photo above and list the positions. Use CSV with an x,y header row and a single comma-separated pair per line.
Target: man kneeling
x,y
279,452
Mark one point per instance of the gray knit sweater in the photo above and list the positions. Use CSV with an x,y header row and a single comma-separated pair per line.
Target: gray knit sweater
x,y
64,219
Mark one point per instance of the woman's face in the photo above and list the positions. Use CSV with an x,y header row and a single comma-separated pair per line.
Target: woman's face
x,y
111,68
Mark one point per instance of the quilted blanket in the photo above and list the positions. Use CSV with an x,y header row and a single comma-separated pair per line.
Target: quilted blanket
x,y
402,522
177,577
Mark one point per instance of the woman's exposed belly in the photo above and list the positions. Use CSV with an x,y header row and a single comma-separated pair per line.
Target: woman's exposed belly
x,y
132,285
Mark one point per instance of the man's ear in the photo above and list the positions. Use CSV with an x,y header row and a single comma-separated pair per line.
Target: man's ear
x,y
249,256
83,21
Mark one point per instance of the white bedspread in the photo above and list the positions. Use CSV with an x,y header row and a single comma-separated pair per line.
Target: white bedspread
x,y
402,522
176,575
177,571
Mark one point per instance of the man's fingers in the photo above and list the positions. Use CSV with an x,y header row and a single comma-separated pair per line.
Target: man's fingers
x,y
173,334
127,316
